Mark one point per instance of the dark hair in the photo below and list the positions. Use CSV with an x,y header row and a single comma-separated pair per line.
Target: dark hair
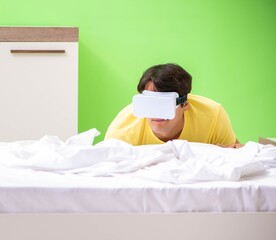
x,y
167,78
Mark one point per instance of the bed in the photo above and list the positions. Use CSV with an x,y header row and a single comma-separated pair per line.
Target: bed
x,y
52,189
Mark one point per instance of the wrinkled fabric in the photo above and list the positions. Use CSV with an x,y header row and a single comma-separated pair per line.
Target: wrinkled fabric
x,y
176,161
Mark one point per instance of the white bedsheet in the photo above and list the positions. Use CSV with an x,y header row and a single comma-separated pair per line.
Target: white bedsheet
x,y
175,161
52,176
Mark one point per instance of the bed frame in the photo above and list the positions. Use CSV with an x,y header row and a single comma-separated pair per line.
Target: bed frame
x,y
215,226
199,225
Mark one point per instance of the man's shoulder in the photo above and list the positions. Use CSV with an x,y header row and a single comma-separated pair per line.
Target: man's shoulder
x,y
127,110
198,101
125,118
202,99
125,126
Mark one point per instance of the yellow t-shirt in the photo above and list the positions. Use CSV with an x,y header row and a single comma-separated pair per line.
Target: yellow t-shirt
x,y
205,121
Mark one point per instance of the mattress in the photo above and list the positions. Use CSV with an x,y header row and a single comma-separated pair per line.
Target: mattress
x,y
69,185
23,191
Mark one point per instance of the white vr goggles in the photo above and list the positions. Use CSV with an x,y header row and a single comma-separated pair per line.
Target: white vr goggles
x,y
161,105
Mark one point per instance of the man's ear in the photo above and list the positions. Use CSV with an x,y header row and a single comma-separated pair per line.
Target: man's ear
x,y
185,105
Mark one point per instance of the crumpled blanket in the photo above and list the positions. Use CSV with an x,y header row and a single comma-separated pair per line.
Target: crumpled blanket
x,y
176,161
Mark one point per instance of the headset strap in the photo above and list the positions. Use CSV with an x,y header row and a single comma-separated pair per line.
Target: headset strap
x,y
181,100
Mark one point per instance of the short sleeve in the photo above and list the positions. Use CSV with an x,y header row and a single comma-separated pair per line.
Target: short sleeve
x,y
222,131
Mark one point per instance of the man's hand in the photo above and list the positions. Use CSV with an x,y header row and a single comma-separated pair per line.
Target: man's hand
x,y
237,144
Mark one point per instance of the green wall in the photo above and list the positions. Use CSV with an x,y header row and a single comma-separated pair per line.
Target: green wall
x,y
229,47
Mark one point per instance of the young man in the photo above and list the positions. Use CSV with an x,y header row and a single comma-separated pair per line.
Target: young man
x,y
198,119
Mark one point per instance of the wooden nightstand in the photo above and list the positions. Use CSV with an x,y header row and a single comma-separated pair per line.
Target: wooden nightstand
x,y
267,141
38,82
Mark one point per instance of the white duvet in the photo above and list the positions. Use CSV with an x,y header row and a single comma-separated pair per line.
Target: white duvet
x,y
176,161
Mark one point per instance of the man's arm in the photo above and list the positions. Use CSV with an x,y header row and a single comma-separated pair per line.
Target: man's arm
x,y
237,144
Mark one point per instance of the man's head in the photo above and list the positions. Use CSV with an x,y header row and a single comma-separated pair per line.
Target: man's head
x,y
167,78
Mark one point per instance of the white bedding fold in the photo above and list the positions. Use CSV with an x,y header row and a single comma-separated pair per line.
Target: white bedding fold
x,y
176,161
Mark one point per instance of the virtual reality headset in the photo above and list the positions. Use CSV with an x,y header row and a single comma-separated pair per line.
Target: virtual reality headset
x,y
161,105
